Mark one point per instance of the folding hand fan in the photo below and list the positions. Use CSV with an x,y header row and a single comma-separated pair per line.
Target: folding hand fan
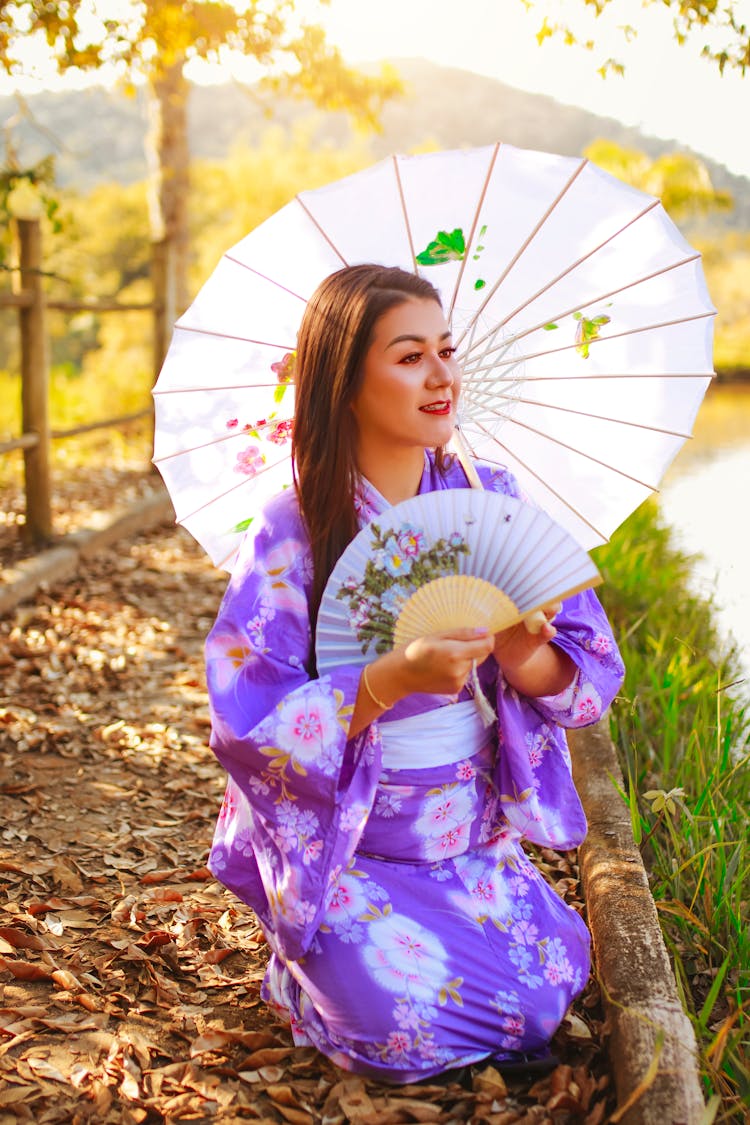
x,y
445,560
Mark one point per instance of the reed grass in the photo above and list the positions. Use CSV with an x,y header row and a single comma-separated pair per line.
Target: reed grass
x,y
682,729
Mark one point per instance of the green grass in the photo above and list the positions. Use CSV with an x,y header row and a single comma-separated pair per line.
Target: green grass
x,y
682,728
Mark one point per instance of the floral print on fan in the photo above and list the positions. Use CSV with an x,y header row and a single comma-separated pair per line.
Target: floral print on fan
x,y
400,562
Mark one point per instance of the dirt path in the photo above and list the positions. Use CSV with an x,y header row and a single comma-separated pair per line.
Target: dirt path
x,y
129,979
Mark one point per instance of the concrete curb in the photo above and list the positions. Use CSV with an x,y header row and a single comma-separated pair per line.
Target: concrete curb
x,y
648,1027
61,561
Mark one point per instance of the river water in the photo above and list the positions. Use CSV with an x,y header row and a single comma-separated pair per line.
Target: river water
x,y
705,499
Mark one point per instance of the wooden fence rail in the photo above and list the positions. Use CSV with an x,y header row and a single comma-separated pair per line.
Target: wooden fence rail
x,y
29,298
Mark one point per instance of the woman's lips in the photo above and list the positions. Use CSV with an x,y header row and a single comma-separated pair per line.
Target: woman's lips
x,y
441,407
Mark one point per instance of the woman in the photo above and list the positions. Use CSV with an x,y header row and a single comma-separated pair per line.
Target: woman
x,y
372,820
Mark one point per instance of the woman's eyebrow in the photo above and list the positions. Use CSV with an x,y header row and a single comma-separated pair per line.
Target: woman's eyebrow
x,y
416,339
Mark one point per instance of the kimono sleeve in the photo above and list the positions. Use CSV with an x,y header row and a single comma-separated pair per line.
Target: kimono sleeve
x,y
533,771
535,780
300,791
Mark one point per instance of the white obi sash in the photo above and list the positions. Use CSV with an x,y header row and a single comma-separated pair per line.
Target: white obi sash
x,y
435,738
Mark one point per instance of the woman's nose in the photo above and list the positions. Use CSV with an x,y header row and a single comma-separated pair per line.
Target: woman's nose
x,y
441,374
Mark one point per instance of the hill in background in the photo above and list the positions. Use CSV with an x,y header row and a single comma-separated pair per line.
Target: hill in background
x,y
98,135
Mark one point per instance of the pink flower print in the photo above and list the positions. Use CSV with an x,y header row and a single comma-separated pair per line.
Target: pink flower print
x,y
288,813
519,886
525,932
535,749
398,1043
228,807
445,821
601,644
405,957
259,787
405,1016
280,433
306,724
312,851
387,805
465,771
256,634
553,973
249,461
514,1025
304,912
360,616
283,369
286,838
347,900
410,542
588,705
363,507
483,892
233,423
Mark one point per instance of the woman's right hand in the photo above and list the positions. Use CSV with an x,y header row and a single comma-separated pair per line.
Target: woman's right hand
x,y
439,664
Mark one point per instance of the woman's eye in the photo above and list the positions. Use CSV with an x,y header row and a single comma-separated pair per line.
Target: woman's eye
x,y
412,357
446,353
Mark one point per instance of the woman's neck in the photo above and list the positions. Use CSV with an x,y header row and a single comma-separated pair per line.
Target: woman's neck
x,y
396,477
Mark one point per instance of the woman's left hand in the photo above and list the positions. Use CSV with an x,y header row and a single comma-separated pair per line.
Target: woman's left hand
x,y
516,648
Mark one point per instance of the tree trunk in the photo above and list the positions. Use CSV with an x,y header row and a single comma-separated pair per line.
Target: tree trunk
x,y
169,180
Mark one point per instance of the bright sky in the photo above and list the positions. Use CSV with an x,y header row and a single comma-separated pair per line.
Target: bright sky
x,y
668,90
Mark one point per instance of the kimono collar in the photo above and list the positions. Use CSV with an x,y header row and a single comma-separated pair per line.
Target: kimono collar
x,y
368,502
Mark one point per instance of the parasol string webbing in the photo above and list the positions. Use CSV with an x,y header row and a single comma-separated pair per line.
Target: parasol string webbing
x,y
508,418
404,212
264,277
474,223
492,333
593,375
524,245
320,230
558,496
516,360
574,265
484,406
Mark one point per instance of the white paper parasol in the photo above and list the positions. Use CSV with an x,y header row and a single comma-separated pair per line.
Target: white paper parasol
x,y
581,315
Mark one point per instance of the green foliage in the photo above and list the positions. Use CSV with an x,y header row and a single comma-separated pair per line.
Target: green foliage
x,y
726,262
683,733
692,20
148,39
681,181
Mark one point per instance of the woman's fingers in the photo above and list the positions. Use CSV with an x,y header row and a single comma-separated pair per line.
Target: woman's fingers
x,y
536,621
441,663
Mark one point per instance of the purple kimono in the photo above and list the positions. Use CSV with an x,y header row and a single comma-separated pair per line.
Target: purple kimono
x,y
409,932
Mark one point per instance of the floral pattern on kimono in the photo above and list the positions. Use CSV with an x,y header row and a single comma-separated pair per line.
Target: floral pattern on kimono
x,y
408,887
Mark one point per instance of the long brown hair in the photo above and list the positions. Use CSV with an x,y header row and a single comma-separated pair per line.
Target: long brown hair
x,y
336,331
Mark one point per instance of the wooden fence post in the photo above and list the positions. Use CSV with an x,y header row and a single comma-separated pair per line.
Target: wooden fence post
x,y
35,384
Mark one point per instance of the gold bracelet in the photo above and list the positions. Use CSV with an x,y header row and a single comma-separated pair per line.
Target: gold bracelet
x,y
378,702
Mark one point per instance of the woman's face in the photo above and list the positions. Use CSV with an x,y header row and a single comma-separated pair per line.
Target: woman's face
x,y
410,383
